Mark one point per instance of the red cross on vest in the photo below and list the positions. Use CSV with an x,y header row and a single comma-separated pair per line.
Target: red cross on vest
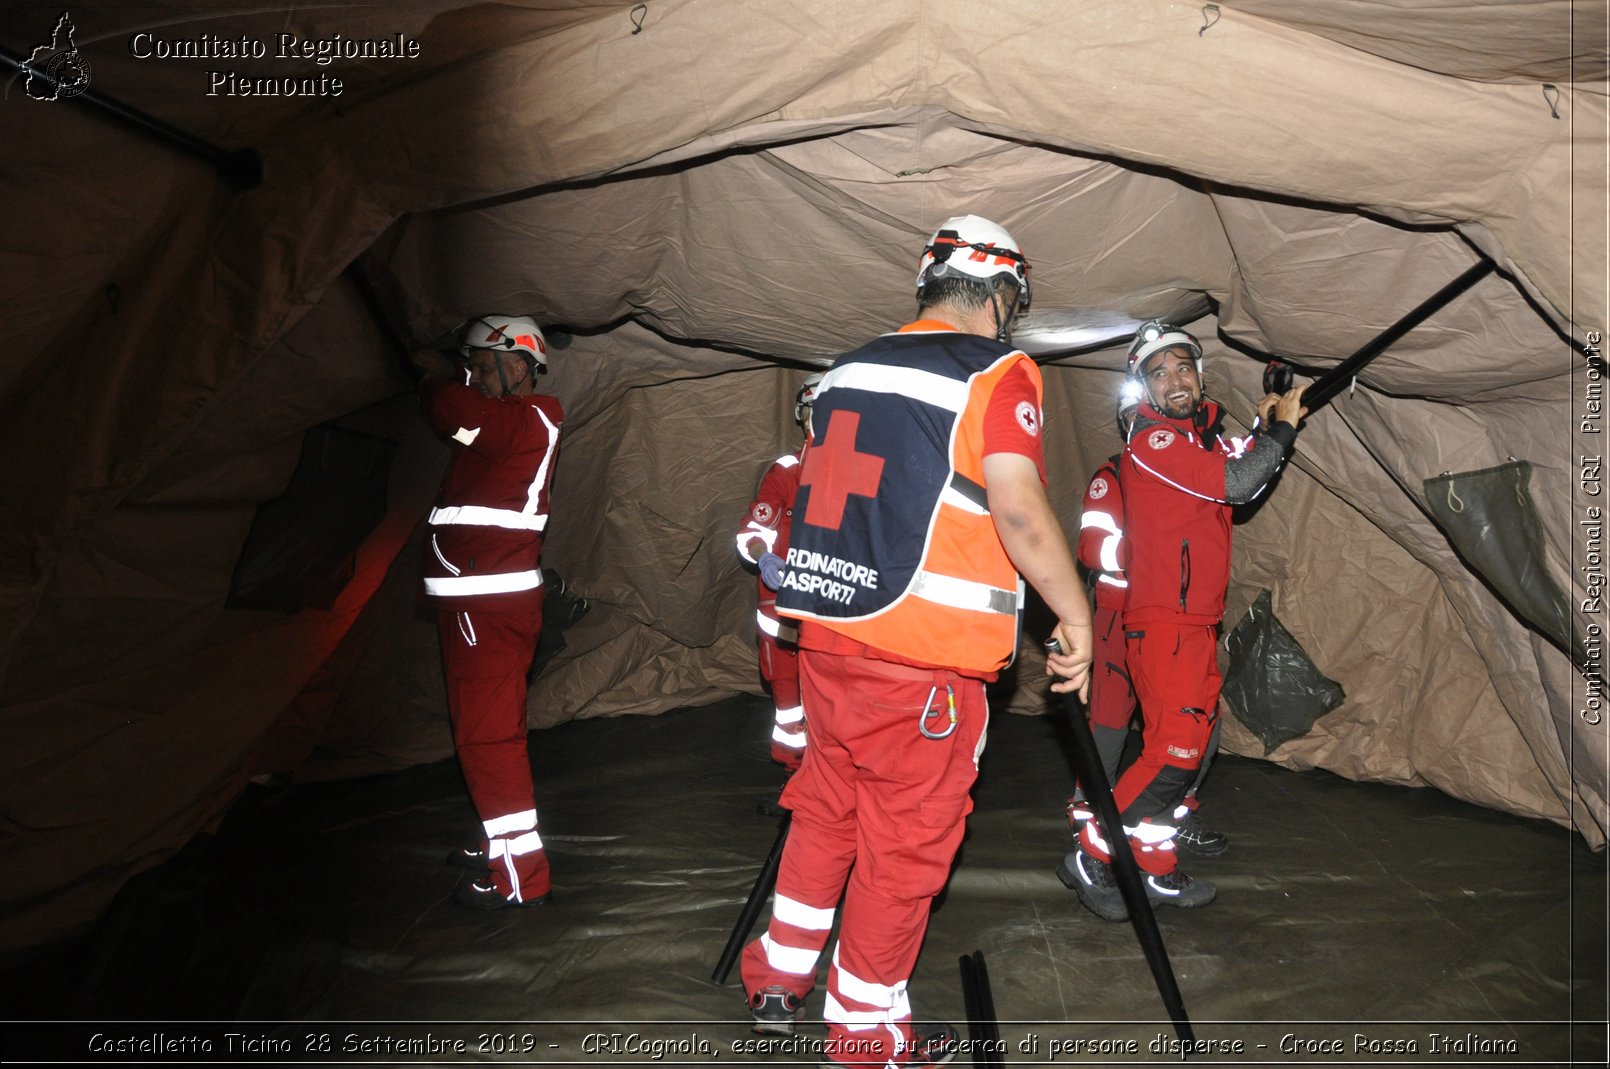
x,y
834,471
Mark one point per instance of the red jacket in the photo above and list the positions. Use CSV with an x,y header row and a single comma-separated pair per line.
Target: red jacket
x,y
486,530
769,517
1177,498
1101,534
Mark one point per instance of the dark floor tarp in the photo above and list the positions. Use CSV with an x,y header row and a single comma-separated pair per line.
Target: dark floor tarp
x,y
1346,910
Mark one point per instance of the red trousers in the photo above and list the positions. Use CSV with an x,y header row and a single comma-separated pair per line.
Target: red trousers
x,y
1175,670
779,667
1112,698
485,656
879,812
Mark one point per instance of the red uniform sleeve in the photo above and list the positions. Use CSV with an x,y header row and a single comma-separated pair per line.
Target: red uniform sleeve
x,y
481,424
1012,420
768,512
1101,522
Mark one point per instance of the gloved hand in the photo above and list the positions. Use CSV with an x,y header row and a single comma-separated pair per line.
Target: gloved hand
x,y
771,570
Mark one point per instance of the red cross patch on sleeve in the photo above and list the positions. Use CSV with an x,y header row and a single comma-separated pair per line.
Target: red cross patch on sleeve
x,y
1161,438
1028,417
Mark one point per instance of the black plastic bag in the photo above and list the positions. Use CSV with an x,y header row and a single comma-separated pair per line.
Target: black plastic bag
x,y
1489,517
1272,685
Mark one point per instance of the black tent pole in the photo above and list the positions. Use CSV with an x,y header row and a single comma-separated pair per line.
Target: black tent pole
x,y
1327,386
1087,765
754,903
241,169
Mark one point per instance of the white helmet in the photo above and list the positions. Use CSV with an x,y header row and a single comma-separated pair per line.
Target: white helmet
x,y
806,397
1154,337
505,334
973,247
1130,395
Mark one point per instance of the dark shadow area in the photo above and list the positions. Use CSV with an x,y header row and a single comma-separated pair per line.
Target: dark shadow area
x,y
1345,910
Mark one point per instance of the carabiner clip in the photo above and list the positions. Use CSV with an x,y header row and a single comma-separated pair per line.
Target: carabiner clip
x,y
927,707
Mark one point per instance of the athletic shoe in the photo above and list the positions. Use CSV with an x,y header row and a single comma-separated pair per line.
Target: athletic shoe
x,y
472,858
774,1010
937,1046
1196,838
480,894
1178,889
1093,882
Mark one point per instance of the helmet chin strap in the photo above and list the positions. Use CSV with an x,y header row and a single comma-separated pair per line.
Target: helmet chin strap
x,y
503,379
1003,327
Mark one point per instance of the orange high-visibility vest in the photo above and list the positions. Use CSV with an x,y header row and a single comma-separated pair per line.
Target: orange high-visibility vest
x,y
893,543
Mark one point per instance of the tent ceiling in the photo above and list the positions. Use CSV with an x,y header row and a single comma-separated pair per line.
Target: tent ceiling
x,y
710,204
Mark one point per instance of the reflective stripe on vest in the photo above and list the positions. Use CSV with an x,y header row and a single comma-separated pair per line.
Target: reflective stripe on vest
x,y
924,386
962,593
904,556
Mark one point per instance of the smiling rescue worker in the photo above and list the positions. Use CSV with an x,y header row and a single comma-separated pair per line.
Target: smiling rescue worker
x,y
1178,486
763,542
921,498
1112,704
483,570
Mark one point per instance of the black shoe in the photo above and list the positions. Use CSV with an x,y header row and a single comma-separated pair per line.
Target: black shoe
x,y
1196,838
480,894
774,1011
1178,889
1092,881
936,1046
472,858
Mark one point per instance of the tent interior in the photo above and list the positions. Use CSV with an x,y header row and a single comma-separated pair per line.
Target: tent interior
x,y
216,471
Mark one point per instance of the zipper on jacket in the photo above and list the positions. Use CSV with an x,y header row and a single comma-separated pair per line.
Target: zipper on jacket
x,y
1185,570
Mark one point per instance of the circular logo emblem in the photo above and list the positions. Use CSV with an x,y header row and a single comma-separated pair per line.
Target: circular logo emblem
x,y
70,71
1161,438
1028,417
1098,489
763,512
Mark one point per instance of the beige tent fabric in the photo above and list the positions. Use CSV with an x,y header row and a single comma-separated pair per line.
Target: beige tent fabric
x,y
713,204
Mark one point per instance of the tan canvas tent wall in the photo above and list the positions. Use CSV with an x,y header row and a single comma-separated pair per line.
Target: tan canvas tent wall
x,y
713,196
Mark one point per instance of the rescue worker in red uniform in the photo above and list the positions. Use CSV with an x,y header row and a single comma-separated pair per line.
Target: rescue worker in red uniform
x,y
1112,700
483,570
1112,697
1177,499
921,498
763,542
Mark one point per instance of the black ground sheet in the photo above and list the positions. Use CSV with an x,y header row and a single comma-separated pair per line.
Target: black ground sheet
x,y
1356,923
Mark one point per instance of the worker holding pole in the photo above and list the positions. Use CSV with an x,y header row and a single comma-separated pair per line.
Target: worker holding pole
x,y
1177,504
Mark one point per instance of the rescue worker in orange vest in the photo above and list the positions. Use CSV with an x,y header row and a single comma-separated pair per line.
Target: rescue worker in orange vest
x,y
1177,504
921,498
483,570
763,542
